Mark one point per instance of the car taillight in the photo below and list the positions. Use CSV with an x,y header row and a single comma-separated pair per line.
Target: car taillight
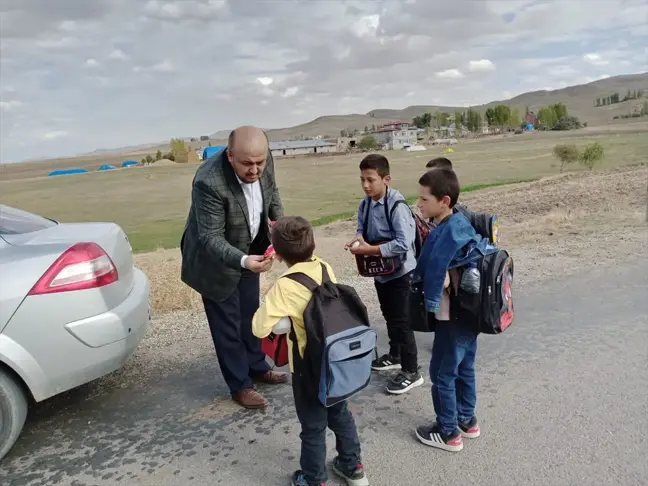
x,y
82,266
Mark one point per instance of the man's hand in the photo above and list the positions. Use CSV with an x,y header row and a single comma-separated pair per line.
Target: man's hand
x,y
258,263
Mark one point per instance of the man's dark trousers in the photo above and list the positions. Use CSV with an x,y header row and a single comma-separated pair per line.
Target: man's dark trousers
x,y
230,322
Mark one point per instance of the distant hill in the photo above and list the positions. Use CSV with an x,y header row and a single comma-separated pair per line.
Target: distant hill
x,y
579,99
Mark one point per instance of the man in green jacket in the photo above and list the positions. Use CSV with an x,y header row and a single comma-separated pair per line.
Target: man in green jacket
x,y
233,197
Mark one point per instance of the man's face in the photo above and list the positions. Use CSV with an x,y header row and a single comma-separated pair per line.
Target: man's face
x,y
429,206
372,184
248,162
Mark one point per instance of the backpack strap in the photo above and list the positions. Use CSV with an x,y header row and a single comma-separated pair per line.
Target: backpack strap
x,y
305,280
308,282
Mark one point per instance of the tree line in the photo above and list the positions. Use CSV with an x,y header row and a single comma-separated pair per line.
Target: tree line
x,y
550,117
615,98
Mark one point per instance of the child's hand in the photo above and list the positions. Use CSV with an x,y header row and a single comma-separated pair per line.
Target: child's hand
x,y
353,243
360,247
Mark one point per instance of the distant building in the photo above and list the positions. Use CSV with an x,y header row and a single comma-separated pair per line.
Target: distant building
x,y
302,147
395,135
530,118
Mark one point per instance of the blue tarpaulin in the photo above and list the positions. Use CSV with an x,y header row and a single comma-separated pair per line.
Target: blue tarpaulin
x,y
59,172
210,151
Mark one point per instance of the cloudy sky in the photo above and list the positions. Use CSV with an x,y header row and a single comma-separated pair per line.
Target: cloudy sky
x,y
77,75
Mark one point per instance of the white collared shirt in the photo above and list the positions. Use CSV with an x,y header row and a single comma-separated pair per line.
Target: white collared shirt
x,y
254,201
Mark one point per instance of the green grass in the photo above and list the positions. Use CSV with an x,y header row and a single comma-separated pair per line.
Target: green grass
x,y
412,199
151,203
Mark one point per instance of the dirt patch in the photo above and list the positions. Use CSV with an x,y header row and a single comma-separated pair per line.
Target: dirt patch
x,y
566,218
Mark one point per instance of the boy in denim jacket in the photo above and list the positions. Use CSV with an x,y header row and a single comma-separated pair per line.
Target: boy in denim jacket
x,y
450,248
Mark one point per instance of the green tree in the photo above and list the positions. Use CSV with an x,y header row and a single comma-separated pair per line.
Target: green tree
x,y
149,159
422,121
473,120
457,121
516,118
644,109
591,155
490,116
158,155
368,142
179,150
567,154
366,129
502,115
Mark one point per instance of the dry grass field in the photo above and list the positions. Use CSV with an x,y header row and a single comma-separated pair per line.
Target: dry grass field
x,y
549,225
151,203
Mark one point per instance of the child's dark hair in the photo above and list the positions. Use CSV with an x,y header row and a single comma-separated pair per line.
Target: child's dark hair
x,y
442,182
376,162
293,239
439,163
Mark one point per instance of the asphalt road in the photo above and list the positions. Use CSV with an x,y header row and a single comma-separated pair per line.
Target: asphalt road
x,y
563,400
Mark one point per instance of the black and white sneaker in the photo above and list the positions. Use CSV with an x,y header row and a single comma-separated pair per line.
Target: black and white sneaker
x,y
431,435
470,429
385,363
404,382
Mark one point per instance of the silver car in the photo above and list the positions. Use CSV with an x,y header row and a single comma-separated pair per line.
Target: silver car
x,y
72,309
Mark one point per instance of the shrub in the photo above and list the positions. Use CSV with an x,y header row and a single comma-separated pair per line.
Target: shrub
x,y
568,123
567,154
368,142
591,155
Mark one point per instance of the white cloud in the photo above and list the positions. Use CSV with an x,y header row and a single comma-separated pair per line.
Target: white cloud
x,y
450,74
285,62
165,66
290,92
92,63
265,81
366,26
10,105
55,134
595,59
481,65
118,54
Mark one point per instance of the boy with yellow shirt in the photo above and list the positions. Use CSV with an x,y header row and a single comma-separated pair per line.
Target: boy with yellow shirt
x,y
294,244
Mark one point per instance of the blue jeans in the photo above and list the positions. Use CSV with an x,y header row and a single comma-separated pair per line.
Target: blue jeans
x,y
452,372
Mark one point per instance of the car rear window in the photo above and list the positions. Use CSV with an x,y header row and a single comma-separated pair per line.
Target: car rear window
x,y
17,222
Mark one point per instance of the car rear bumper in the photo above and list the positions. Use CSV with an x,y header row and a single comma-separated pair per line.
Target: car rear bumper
x,y
82,350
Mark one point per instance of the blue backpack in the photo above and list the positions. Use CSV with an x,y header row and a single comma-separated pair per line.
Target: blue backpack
x,y
339,341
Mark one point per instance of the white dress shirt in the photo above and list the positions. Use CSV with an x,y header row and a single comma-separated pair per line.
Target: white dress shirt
x,y
254,201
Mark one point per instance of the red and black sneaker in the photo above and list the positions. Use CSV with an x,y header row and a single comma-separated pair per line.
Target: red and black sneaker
x,y
354,477
298,479
432,436
470,429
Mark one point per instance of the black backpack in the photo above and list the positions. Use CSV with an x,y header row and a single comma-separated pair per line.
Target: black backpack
x,y
495,311
339,341
485,224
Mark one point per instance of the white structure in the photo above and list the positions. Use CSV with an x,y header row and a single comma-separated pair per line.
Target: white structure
x,y
302,147
415,148
395,135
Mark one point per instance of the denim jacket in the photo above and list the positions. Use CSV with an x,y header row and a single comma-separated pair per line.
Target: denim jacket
x,y
453,243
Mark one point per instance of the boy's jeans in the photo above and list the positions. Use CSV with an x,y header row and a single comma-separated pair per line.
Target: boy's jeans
x,y
452,372
314,418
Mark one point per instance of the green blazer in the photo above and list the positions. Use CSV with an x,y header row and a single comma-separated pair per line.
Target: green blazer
x,y
217,232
